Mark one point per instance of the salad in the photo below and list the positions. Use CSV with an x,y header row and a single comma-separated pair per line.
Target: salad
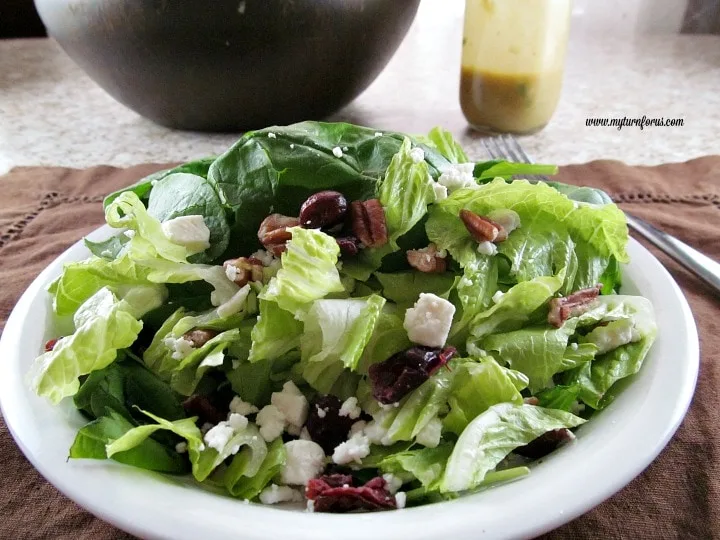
x,y
353,319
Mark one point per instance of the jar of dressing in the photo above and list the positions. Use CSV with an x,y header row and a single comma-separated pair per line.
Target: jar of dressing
x,y
513,58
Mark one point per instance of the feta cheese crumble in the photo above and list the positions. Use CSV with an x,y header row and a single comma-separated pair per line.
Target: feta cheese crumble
x,y
428,321
350,408
305,434
441,192
400,499
181,347
188,231
417,155
429,436
274,494
392,483
304,461
614,335
337,152
378,134
458,176
487,248
181,447
310,505
508,219
292,146
264,256
219,436
497,296
354,449
129,233
238,406
271,422
292,404
574,346
271,135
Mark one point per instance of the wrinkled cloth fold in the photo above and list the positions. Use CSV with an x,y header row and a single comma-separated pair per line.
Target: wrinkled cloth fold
x,y
44,210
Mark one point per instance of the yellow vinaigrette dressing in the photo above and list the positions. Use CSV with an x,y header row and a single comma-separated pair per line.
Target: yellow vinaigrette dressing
x,y
512,62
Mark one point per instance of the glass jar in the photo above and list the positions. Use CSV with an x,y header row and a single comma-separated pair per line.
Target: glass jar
x,y
513,58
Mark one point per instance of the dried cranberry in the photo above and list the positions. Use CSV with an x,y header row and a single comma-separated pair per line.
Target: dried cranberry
x,y
323,209
545,443
335,493
204,409
324,423
349,245
50,345
403,372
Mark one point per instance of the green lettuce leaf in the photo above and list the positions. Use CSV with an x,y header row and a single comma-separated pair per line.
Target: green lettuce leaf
x,y
188,371
426,464
103,326
561,397
388,338
237,478
443,141
92,441
498,168
308,272
276,332
493,435
476,387
249,462
405,287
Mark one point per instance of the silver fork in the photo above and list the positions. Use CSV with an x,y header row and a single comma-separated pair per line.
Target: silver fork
x,y
508,148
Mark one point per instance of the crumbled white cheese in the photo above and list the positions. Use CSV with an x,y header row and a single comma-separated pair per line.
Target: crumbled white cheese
x,y
337,152
237,421
344,148
235,304
188,231
129,233
392,483
497,296
291,403
487,248
264,257
304,461
181,347
457,176
429,436
574,346
614,335
508,219
294,430
238,406
207,426
271,422
378,134
274,494
350,408
305,434
292,146
271,135
417,155
441,192
428,321
106,253
231,272
377,434
241,7
400,499
310,505
354,449
320,411
181,447
219,436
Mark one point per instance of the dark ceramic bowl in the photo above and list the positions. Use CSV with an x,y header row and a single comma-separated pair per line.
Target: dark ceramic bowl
x,y
228,65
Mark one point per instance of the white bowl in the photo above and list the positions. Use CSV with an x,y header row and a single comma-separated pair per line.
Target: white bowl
x,y
609,452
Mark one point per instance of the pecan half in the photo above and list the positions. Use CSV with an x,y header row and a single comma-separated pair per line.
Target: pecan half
x,y
545,443
561,309
481,228
427,259
273,232
243,270
323,209
199,337
50,345
368,222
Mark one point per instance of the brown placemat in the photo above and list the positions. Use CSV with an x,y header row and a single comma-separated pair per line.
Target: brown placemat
x,y
45,210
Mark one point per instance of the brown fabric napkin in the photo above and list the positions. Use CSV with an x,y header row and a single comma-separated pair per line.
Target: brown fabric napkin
x,y
45,210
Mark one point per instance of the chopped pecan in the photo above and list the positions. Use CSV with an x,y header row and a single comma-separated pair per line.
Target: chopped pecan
x,y
532,400
427,259
243,270
50,345
273,232
323,209
481,228
368,222
199,337
561,309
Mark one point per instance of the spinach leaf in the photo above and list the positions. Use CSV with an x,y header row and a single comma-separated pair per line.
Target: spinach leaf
x,y
108,249
184,194
485,171
142,187
277,168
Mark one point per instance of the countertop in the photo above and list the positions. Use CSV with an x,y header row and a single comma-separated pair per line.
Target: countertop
x,y
51,113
